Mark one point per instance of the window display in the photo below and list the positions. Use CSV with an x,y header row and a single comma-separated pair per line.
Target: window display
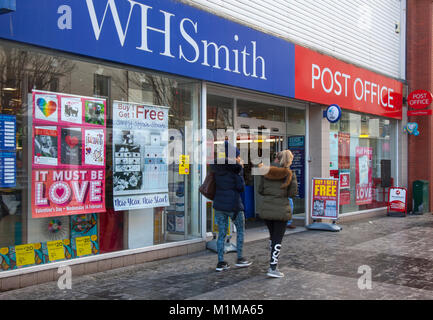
x,y
64,158
140,175
365,143
67,179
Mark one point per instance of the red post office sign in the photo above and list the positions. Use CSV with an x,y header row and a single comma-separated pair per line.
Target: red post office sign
x,y
419,99
326,80
397,200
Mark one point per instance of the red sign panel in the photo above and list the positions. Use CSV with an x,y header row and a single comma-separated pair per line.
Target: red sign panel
x,y
344,180
397,199
344,197
327,80
364,182
419,99
343,150
426,112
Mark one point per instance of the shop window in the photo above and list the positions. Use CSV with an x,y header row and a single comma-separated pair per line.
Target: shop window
x,y
83,94
261,111
362,154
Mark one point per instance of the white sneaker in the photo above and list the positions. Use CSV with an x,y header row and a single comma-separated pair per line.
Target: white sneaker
x,y
242,263
274,273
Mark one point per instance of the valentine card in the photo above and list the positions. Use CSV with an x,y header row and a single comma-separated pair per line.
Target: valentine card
x,y
72,110
46,106
71,146
94,112
45,146
94,147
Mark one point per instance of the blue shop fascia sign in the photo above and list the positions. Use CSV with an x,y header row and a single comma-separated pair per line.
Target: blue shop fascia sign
x,y
162,35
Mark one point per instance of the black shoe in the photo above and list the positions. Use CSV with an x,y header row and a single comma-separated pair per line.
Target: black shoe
x,y
222,265
242,263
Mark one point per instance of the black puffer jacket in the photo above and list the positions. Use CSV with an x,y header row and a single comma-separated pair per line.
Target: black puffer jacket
x,y
229,186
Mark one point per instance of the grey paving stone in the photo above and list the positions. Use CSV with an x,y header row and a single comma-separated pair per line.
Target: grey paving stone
x,y
317,265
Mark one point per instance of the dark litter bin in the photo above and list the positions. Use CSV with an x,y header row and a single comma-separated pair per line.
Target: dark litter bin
x,y
420,197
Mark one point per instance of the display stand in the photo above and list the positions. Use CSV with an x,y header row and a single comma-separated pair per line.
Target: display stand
x,y
325,203
324,226
397,202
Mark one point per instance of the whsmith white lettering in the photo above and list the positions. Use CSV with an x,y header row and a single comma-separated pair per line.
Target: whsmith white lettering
x,y
252,65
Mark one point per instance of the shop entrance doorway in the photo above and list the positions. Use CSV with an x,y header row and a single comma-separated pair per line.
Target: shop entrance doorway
x,y
257,123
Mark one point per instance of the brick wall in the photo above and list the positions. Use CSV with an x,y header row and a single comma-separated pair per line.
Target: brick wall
x,y
420,76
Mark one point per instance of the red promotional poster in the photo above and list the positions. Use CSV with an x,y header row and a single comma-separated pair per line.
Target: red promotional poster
x,y
344,179
343,150
344,197
68,156
364,182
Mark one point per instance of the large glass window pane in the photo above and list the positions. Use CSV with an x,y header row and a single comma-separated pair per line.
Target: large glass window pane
x,y
362,152
22,70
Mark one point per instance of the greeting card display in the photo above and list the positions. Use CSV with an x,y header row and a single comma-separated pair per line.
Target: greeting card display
x,y
95,112
71,146
94,147
68,167
46,106
46,146
140,170
72,110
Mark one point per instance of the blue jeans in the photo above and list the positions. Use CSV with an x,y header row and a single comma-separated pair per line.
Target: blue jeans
x,y
222,220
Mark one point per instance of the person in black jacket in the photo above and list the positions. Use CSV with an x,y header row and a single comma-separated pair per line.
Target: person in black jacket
x,y
227,203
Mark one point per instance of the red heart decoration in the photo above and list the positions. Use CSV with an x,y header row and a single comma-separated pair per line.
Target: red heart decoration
x,y
71,141
60,192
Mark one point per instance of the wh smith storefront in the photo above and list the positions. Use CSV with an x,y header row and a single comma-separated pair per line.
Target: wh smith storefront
x,y
117,106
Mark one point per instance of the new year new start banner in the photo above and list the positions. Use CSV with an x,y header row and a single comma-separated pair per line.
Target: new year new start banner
x,y
68,156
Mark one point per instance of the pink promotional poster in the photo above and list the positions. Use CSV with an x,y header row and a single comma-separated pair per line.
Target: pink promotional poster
x,y
364,182
68,156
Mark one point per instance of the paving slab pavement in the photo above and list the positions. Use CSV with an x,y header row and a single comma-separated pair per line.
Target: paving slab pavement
x,y
318,265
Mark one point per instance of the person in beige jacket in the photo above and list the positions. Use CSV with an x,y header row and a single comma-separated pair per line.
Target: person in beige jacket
x,y
276,185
